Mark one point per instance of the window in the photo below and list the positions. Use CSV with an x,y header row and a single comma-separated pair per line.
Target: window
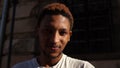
x,y
92,32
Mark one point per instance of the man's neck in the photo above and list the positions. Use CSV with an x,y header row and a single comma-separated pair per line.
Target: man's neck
x,y
47,62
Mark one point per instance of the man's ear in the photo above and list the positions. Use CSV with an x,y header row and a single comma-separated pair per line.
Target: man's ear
x,y
70,33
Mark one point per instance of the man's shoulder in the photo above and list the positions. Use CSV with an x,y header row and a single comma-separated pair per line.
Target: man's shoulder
x,y
71,59
79,62
24,64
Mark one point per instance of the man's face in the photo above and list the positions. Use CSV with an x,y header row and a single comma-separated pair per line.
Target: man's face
x,y
54,33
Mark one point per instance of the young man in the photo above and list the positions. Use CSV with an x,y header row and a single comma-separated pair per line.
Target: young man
x,y
54,29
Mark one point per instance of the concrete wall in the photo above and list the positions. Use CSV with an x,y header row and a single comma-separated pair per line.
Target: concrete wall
x,y
23,42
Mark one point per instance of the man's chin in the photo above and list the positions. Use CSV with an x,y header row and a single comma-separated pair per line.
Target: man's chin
x,y
53,55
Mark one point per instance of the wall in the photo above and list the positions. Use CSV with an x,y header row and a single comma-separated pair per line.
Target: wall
x,y
23,41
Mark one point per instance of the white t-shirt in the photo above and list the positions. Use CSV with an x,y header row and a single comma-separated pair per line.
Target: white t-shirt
x,y
65,62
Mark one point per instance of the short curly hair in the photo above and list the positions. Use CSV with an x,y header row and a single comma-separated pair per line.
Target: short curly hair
x,y
55,9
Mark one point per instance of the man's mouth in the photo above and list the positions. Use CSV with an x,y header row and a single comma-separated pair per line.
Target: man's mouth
x,y
54,47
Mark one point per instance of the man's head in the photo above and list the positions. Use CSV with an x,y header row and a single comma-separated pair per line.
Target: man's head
x,y
56,9
54,29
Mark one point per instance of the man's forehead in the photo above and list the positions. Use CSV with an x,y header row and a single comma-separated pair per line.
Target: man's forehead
x,y
55,21
53,18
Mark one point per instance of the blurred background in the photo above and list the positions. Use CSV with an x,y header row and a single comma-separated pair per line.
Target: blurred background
x,y
96,31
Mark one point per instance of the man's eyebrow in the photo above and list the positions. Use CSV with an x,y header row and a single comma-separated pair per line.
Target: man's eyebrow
x,y
64,29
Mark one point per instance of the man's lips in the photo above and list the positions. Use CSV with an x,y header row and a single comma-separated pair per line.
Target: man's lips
x,y
54,47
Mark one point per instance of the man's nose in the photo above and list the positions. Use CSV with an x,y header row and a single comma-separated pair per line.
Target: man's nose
x,y
55,37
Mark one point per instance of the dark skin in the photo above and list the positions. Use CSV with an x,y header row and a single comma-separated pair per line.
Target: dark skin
x,y
53,33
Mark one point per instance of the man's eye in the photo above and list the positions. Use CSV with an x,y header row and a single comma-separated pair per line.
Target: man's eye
x,y
63,33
